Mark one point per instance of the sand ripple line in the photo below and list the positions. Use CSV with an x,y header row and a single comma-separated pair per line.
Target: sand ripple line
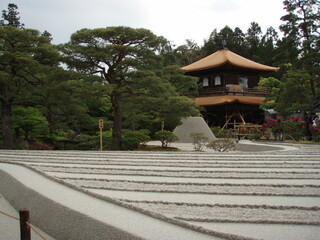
x,y
185,173
249,214
202,188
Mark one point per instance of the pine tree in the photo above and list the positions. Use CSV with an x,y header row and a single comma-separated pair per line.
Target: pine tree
x,y
11,17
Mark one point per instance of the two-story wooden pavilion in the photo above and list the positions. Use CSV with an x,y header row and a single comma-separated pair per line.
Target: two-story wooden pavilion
x,y
229,94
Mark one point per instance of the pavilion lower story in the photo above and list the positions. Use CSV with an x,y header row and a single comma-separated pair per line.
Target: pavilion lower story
x,y
233,114
232,110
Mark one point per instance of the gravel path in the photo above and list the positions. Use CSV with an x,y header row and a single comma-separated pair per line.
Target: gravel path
x,y
279,189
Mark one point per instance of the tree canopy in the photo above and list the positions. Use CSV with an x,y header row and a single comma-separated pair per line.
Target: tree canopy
x,y
122,57
11,17
25,56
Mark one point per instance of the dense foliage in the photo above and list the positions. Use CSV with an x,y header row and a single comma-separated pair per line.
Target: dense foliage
x,y
292,128
132,79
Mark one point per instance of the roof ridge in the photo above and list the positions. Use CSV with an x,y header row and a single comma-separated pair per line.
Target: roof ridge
x,y
223,56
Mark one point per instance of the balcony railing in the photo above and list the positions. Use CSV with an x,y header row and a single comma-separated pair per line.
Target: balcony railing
x,y
234,90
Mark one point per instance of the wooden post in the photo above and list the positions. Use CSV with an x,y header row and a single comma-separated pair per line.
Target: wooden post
x,y
100,127
25,232
162,125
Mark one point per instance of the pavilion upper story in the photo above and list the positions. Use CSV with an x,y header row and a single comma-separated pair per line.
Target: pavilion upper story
x,y
227,73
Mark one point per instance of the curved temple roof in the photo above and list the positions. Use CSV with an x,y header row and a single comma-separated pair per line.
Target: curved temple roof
x,y
223,57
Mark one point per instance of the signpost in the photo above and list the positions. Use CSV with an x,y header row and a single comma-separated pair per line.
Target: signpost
x,y
100,127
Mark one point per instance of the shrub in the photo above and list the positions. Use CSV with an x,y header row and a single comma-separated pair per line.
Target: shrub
x,y
276,126
87,142
166,137
146,132
60,135
132,139
255,134
39,146
106,139
315,131
198,141
222,145
294,127
130,143
218,132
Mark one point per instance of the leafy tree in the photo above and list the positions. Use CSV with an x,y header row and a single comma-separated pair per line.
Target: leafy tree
x,y
64,98
253,40
239,42
187,53
274,86
295,94
113,53
268,45
182,55
168,54
155,100
29,122
11,17
210,45
46,33
302,29
234,41
184,85
24,55
287,52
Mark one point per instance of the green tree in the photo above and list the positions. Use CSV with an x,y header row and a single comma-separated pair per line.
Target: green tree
x,y
287,51
184,85
11,17
24,55
302,29
295,94
64,98
274,86
155,100
268,46
187,53
253,41
233,39
113,53
168,54
29,122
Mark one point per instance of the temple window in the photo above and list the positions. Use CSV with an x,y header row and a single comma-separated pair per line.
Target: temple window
x,y
217,80
243,81
205,82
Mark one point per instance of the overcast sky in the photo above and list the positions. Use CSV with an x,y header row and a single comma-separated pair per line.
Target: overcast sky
x,y
176,20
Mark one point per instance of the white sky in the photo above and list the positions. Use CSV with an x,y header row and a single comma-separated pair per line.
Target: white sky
x,y
176,20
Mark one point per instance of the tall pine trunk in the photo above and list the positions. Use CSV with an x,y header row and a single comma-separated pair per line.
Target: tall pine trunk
x,y
6,124
117,118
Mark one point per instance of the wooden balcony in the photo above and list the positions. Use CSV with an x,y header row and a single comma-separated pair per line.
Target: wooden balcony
x,y
237,90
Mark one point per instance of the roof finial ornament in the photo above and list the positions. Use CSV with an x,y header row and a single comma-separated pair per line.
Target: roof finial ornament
x,y
224,43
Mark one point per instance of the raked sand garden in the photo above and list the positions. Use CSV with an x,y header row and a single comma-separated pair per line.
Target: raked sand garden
x,y
236,195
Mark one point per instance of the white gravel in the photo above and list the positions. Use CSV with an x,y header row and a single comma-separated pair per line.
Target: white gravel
x,y
212,199
10,228
231,192
115,217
